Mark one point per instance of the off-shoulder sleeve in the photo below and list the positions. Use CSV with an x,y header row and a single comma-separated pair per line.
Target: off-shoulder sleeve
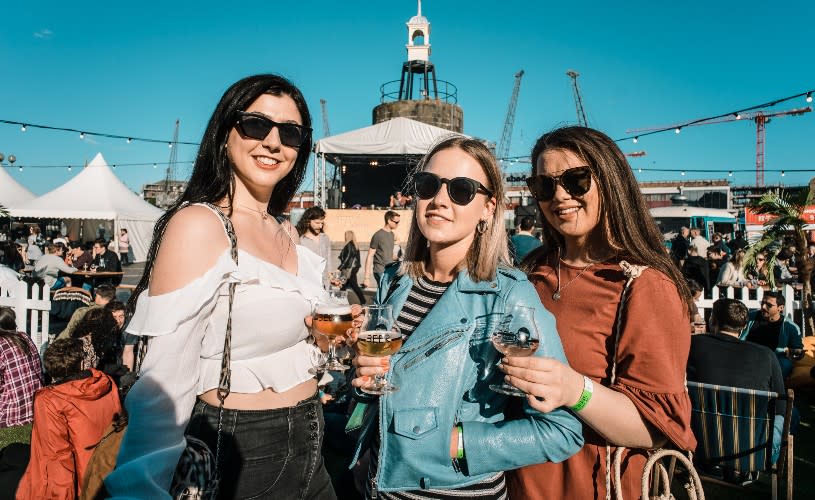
x,y
652,356
160,403
162,314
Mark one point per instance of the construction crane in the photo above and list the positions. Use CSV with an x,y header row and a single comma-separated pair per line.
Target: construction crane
x,y
506,136
326,129
578,101
761,118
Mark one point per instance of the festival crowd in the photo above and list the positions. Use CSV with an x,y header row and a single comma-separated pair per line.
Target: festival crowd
x,y
486,365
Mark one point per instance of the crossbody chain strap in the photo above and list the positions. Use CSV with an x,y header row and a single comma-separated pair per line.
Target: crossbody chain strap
x,y
225,379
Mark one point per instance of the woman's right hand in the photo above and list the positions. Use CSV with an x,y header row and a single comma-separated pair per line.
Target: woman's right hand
x,y
367,367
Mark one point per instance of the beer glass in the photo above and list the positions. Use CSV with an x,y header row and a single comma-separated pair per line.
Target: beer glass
x,y
516,335
379,337
332,318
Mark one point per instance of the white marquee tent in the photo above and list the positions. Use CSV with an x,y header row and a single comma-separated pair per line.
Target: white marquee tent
x,y
397,136
93,198
12,193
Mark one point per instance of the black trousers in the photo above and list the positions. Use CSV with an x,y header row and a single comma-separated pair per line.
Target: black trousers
x,y
274,454
354,285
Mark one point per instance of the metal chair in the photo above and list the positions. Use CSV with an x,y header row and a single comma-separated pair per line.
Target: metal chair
x,y
734,430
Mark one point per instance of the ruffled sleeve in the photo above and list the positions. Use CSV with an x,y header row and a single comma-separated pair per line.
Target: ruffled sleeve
x,y
160,403
652,357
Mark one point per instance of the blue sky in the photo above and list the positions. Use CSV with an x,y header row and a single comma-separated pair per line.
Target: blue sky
x,y
133,68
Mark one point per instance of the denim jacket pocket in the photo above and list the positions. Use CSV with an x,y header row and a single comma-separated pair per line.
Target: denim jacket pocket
x,y
415,423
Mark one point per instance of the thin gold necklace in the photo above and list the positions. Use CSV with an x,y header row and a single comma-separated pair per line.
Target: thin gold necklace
x,y
263,214
556,296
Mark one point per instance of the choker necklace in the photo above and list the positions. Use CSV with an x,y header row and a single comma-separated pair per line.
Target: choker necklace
x,y
263,215
556,296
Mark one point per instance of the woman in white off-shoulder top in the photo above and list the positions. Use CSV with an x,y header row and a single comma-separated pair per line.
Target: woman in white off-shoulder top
x,y
251,162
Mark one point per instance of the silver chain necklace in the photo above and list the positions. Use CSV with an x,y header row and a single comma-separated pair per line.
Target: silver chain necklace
x,y
556,296
263,215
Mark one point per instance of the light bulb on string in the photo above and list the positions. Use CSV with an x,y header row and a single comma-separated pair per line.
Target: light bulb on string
x,y
678,129
22,129
635,139
69,168
639,170
114,166
738,116
154,165
682,173
170,145
730,173
21,168
82,135
129,140
782,173
809,96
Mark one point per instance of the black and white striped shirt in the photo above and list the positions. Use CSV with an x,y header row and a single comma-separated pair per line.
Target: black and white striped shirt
x,y
422,297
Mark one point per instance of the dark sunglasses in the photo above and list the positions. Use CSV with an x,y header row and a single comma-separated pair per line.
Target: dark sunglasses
x,y
256,126
461,190
576,182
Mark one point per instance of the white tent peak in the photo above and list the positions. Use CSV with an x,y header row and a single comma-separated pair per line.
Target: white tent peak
x,y
395,136
12,193
98,161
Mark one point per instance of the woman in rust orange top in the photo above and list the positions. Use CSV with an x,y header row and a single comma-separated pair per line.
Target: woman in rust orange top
x,y
594,218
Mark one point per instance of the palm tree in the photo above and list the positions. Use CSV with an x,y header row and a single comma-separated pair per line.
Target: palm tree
x,y
787,212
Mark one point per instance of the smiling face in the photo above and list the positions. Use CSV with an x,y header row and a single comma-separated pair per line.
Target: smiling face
x,y
444,223
574,217
260,164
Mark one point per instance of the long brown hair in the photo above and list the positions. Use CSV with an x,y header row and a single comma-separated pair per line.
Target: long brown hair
x,y
8,329
488,250
625,224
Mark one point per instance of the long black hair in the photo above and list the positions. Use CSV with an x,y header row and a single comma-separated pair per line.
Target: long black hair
x,y
213,178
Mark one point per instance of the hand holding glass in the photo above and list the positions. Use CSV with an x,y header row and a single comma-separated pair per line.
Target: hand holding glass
x,y
332,318
379,337
516,335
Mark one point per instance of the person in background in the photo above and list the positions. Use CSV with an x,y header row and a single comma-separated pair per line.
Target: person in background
x,y
445,434
124,247
781,271
380,251
70,416
679,246
696,239
697,321
717,240
103,294
720,358
523,242
49,267
312,236
20,372
716,258
759,273
350,264
588,195
732,272
13,256
772,328
696,268
105,261
738,243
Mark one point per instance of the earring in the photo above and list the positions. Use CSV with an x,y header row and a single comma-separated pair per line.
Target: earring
x,y
481,227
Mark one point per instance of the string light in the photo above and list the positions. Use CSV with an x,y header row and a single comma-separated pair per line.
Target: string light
x,y
21,168
782,173
82,135
730,174
737,113
24,125
129,140
154,165
738,116
69,168
635,139
682,173
170,145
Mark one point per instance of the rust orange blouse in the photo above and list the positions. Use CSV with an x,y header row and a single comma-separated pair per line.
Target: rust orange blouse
x,y
651,359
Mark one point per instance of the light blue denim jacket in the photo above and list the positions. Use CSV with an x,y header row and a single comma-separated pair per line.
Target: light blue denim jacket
x,y
443,372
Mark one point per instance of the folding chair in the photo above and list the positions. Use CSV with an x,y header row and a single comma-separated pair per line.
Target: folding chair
x,y
734,430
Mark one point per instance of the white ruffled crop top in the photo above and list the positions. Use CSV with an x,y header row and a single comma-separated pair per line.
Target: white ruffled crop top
x,y
187,328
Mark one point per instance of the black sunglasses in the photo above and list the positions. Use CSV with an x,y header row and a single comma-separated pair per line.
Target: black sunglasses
x,y
461,190
576,182
256,126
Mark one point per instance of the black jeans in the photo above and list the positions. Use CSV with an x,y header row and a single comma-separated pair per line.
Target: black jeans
x,y
274,454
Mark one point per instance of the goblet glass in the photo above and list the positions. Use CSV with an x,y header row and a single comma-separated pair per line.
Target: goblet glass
x,y
516,335
379,337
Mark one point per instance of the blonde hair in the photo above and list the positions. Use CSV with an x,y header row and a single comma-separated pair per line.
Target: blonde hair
x,y
488,249
350,236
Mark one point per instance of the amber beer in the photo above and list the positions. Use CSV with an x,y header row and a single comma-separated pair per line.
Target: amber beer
x,y
333,319
379,343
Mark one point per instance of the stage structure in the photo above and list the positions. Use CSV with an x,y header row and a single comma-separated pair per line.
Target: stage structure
x,y
370,175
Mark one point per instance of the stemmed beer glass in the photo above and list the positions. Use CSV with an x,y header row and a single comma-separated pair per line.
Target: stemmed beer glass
x,y
516,335
379,337
332,318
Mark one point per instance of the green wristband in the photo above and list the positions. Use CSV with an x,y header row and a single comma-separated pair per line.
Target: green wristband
x,y
585,396
460,453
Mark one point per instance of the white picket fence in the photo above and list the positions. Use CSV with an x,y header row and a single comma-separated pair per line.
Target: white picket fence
x,y
744,295
31,310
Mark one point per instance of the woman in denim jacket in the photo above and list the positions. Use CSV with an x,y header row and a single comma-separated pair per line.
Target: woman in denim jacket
x,y
444,432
